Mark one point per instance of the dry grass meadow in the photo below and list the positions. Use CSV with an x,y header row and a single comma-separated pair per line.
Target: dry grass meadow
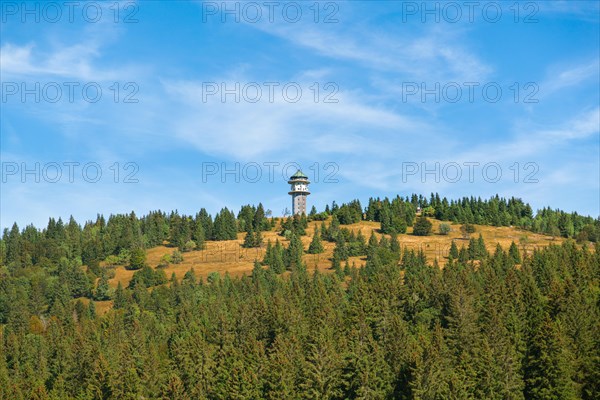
x,y
229,256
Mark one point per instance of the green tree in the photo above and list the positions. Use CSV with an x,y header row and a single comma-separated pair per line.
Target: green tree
x,y
422,227
249,239
120,300
316,246
514,253
453,254
138,258
294,252
547,371
102,290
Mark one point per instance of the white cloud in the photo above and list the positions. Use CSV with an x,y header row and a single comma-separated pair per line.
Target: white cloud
x,y
580,9
246,130
434,54
567,78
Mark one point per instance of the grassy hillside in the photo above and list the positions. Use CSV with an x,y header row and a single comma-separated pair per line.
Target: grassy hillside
x,y
228,256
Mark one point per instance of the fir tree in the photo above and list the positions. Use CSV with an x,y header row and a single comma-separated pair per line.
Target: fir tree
x,y
249,240
315,247
514,253
453,254
120,300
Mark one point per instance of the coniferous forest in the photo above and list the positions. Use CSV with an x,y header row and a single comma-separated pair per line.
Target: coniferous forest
x,y
502,324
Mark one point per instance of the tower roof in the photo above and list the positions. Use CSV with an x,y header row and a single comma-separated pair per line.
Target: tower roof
x,y
299,174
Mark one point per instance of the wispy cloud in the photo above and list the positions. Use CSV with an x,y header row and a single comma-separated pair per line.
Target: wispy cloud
x,y
433,54
245,130
570,77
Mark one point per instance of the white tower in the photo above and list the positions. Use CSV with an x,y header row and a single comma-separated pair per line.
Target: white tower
x,y
299,191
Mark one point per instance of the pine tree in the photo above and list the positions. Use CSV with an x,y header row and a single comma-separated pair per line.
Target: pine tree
x,y
547,371
395,245
453,254
372,246
322,371
103,290
138,258
347,269
315,247
120,300
432,373
258,240
277,261
249,240
294,253
336,264
481,249
259,221
268,259
284,368
199,234
341,248
257,271
514,254
324,231
225,225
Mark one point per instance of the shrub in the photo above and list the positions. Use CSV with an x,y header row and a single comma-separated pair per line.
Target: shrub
x,y
176,257
444,228
466,229
189,245
109,272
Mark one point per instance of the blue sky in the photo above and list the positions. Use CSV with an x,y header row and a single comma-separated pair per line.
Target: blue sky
x,y
361,117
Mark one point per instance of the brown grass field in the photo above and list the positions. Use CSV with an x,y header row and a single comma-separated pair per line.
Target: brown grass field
x,y
230,257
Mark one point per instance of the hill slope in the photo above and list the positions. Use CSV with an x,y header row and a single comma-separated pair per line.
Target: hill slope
x,y
229,256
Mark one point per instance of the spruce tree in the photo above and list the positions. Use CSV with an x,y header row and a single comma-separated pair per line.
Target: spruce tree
x,y
258,240
102,290
547,370
249,240
120,300
514,253
294,253
199,234
341,248
395,245
315,247
453,254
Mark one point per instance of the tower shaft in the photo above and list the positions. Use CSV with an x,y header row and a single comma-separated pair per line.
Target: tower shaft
x,y
299,191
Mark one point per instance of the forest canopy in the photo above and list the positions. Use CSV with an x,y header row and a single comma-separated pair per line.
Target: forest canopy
x,y
484,324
